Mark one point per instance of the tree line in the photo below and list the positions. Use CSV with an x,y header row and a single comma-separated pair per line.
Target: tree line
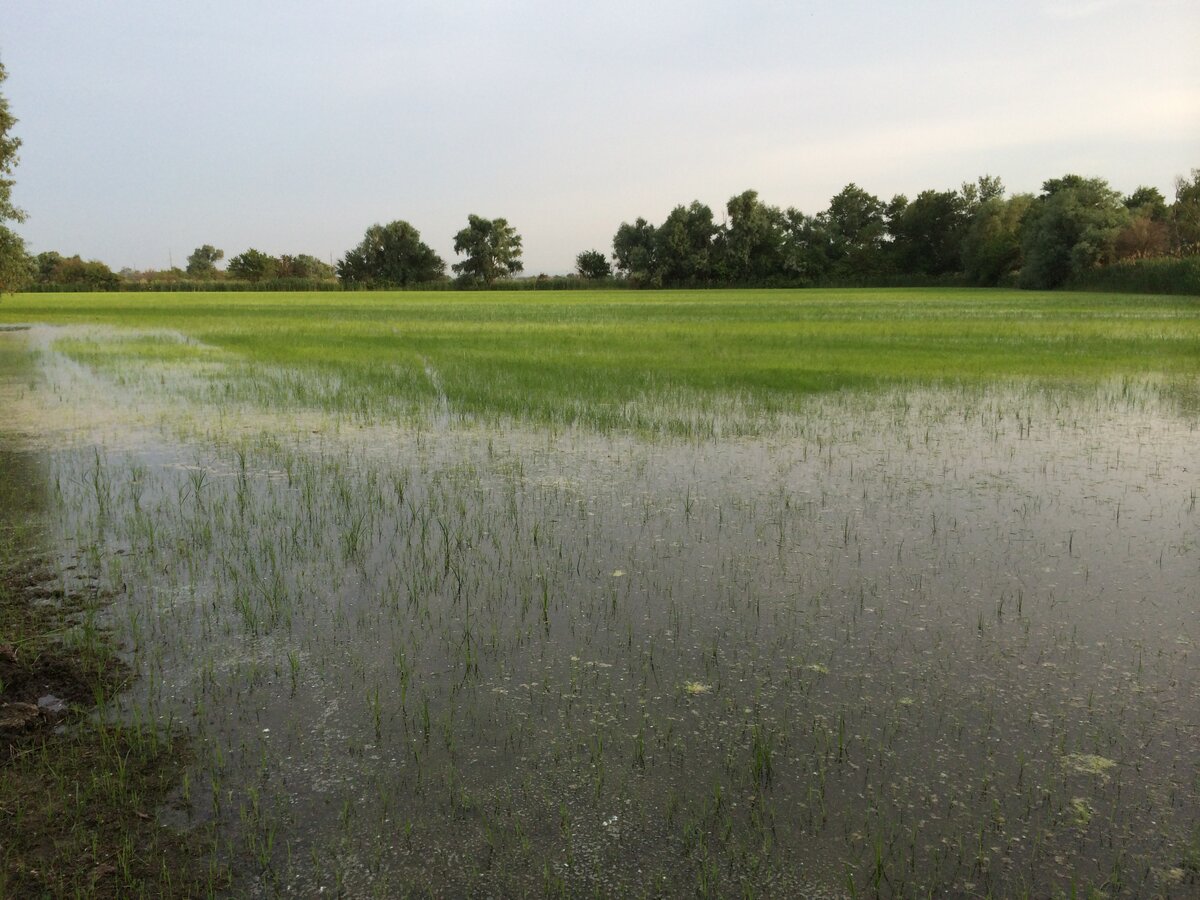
x,y
974,235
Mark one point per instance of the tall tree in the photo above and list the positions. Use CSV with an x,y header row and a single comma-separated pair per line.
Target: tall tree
x,y
253,265
856,227
684,245
980,191
749,247
14,261
54,268
304,266
634,251
391,255
592,264
927,233
17,269
202,263
1071,227
1185,215
804,252
492,248
991,245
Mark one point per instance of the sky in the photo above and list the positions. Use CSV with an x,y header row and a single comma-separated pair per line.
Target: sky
x,y
150,128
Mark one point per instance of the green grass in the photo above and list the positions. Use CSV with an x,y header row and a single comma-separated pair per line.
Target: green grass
x,y
584,355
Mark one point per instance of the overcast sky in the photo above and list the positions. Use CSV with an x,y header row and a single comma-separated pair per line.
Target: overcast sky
x,y
150,128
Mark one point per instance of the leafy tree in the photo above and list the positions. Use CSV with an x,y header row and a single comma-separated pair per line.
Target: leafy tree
x,y
991,245
983,189
1143,237
391,255
16,267
927,233
305,267
253,265
9,144
1185,215
14,261
749,248
1148,202
45,264
53,268
684,245
856,229
1071,227
635,252
492,248
804,250
592,264
202,263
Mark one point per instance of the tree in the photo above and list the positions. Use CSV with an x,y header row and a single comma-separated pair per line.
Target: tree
x,y
635,253
1185,215
16,267
492,247
749,247
804,252
203,261
927,233
983,189
856,228
991,245
45,264
1148,202
54,268
14,261
684,245
391,255
253,265
592,264
1071,227
304,266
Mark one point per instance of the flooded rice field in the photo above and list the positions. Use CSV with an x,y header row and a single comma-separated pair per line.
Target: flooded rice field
x,y
898,643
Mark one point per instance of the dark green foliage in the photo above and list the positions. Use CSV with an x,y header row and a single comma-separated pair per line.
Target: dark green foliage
x,y
856,228
391,255
304,267
804,253
16,266
1148,201
855,225
9,144
684,245
14,261
492,248
72,272
1070,228
1163,275
253,265
927,233
592,264
750,247
635,251
202,263
1185,215
991,245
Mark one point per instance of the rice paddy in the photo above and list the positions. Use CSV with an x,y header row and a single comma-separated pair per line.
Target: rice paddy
x,y
816,594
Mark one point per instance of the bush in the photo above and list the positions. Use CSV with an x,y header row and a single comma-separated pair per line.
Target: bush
x,y
1164,275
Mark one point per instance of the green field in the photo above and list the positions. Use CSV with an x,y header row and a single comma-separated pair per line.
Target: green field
x,y
730,593
584,356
